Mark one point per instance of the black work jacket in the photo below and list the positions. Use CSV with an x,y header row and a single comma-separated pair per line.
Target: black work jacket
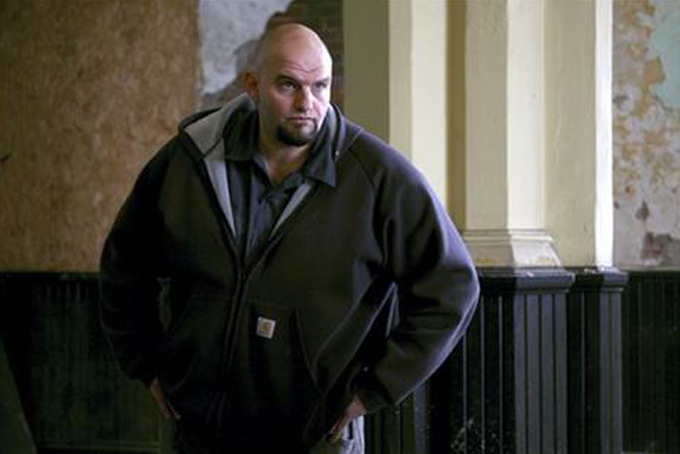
x,y
363,289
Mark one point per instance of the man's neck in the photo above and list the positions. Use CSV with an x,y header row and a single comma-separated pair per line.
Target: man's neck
x,y
281,161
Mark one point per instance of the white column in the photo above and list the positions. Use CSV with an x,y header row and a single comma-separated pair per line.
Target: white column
x,y
579,130
428,113
512,125
505,134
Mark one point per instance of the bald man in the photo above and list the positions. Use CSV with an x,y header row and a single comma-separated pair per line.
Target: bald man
x,y
309,272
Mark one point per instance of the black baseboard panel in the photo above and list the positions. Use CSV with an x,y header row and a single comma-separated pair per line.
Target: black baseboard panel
x,y
555,361
504,388
595,420
651,361
73,395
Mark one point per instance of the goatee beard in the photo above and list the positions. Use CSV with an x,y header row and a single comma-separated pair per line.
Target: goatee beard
x,y
296,138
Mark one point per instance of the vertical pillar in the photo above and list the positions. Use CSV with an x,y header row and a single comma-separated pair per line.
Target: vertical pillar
x,y
595,422
579,130
428,104
504,135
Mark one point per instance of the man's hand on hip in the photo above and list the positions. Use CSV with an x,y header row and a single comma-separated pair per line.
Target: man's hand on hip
x,y
353,411
164,406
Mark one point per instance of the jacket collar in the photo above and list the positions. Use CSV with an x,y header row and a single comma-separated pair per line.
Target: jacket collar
x,y
241,143
205,129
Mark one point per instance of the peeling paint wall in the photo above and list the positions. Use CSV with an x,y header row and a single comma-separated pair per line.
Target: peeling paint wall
x,y
229,32
89,90
646,108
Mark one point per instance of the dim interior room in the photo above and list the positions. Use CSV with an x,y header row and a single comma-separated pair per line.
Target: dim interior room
x,y
549,129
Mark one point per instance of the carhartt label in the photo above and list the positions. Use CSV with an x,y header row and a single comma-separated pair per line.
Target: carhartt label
x,y
265,327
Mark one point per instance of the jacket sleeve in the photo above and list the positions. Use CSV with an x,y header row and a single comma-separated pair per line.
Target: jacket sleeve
x,y
130,267
437,288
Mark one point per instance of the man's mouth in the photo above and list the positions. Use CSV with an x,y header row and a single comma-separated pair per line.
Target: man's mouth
x,y
301,121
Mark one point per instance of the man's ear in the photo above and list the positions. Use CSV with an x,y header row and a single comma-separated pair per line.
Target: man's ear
x,y
251,85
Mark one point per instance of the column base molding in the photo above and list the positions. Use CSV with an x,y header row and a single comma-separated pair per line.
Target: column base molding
x,y
511,248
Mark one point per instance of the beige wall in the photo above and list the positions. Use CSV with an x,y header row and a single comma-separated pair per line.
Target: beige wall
x,y
88,92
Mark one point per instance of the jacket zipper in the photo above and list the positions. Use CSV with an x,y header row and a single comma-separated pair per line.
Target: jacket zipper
x,y
244,273
243,270
232,325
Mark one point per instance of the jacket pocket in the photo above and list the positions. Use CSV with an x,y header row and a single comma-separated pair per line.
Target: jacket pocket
x,y
192,347
271,385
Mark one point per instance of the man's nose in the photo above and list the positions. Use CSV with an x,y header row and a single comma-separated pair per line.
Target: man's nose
x,y
303,99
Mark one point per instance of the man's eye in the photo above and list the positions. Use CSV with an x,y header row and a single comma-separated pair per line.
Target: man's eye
x,y
319,86
288,85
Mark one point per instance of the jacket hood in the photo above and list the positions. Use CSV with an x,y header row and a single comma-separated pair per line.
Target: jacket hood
x,y
205,129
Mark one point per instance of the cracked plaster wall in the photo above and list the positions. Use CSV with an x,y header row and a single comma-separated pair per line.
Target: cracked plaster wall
x,y
229,32
646,116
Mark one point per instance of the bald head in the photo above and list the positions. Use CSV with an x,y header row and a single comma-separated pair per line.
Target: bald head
x,y
290,84
290,41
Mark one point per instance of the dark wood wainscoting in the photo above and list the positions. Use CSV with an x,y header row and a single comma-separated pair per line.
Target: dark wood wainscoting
x,y
73,396
539,371
555,361
651,361
504,388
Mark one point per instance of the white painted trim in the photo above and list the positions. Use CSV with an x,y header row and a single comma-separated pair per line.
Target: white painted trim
x,y
511,248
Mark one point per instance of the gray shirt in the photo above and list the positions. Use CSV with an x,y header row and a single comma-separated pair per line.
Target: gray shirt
x,y
256,202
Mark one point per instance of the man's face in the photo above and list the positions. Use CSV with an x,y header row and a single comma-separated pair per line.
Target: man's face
x,y
293,93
